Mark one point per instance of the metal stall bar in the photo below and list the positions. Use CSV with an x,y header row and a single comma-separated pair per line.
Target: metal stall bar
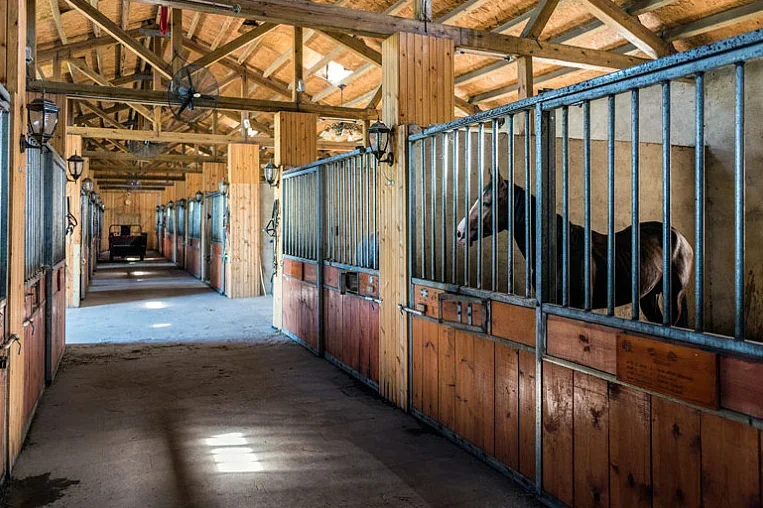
x,y
494,175
422,146
454,253
667,300
467,196
635,226
528,210
367,205
480,197
739,188
319,254
611,205
443,203
587,205
433,205
565,207
510,205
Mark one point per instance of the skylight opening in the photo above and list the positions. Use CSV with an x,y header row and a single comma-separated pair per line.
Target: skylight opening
x,y
336,73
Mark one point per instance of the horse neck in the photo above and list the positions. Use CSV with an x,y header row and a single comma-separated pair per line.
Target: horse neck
x,y
520,197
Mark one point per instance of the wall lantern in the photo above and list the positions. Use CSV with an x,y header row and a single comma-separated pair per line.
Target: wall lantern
x,y
224,187
271,173
164,207
76,165
380,136
199,196
171,205
42,118
87,185
181,203
158,208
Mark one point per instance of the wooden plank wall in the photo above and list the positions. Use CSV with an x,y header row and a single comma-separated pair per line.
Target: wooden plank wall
x,y
58,320
74,241
243,243
295,145
140,210
213,174
417,88
193,182
300,303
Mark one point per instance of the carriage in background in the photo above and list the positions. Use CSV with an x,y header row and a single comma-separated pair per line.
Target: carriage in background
x,y
127,240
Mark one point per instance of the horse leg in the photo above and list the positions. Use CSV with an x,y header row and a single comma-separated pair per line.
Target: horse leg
x,y
650,306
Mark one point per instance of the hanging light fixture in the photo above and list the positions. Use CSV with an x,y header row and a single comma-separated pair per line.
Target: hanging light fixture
x,y
164,207
271,173
224,187
182,202
87,185
76,165
42,119
171,205
380,136
158,208
199,196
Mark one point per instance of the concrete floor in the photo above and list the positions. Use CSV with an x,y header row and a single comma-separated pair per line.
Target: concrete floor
x,y
217,410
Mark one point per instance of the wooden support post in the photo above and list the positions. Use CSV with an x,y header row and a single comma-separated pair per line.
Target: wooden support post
x,y
212,174
297,51
13,39
178,51
243,244
295,145
417,84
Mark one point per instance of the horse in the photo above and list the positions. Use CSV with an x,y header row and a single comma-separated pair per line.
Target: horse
x,y
651,250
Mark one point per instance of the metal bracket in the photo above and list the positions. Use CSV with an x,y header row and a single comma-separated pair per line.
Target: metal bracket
x,y
403,309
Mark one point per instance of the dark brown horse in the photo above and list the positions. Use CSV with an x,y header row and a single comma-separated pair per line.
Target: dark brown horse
x,y
682,256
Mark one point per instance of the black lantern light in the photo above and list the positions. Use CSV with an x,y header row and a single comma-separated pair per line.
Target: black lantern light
x,y
224,187
170,205
76,166
42,119
164,207
380,136
271,173
199,196
182,203
87,185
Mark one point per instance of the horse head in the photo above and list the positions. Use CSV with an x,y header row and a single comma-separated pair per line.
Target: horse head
x,y
484,213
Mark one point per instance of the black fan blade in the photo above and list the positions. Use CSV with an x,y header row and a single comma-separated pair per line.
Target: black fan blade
x,y
186,103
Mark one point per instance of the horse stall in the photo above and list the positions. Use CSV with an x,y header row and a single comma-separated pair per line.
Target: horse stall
x,y
160,217
544,236
180,242
193,249
330,270
55,260
169,235
213,240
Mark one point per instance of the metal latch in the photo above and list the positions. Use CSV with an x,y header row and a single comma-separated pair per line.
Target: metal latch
x,y
6,347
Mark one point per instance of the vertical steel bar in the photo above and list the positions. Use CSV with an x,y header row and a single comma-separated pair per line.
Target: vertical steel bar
x,y
587,205
528,210
433,205
510,206
423,207
443,203
635,225
739,204
454,253
495,174
480,197
611,205
319,254
355,211
565,207
367,210
375,181
667,300
467,196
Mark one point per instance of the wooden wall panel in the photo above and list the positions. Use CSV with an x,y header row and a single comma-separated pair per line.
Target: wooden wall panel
x,y
741,387
430,392
295,145
243,243
212,174
730,463
333,316
676,454
372,326
466,398
58,319
309,318
417,369
446,361
557,431
194,182
136,207
591,442
586,344
74,241
507,406
215,266
527,414
351,331
513,322
630,446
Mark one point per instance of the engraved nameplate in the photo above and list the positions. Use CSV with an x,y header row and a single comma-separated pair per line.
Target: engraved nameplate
x,y
684,373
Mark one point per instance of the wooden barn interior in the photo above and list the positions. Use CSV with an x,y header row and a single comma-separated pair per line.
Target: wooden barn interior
x,y
354,253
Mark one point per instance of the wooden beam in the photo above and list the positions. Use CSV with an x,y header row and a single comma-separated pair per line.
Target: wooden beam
x,y
297,54
67,50
466,106
340,19
150,97
629,27
118,156
102,115
356,46
56,13
176,36
541,15
120,35
459,12
525,77
237,43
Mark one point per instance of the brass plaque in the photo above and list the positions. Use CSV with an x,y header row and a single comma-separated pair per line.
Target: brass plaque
x,y
682,372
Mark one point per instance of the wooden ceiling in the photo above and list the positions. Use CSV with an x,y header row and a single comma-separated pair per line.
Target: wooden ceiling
x,y
257,65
